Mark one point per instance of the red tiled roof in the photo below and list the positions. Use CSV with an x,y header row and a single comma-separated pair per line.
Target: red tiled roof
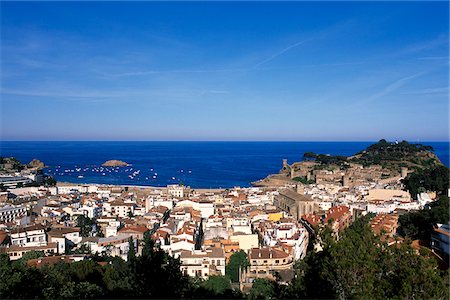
x,y
134,229
336,213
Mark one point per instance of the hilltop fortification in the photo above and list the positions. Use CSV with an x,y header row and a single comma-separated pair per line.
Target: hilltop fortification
x,y
382,162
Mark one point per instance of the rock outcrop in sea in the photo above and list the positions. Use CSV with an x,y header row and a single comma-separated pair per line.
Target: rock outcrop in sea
x,y
114,163
36,163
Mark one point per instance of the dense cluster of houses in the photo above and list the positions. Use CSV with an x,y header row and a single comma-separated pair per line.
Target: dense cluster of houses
x,y
274,226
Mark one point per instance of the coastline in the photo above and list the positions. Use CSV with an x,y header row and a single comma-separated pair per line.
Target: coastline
x,y
141,187
213,165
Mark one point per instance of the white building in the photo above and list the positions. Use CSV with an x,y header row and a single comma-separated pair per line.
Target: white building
x,y
16,252
291,234
176,246
64,237
175,190
440,239
91,211
9,213
114,245
205,207
203,263
118,208
29,236
152,201
14,181
239,225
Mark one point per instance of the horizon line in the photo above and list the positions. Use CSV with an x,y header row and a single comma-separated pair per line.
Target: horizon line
x,y
225,141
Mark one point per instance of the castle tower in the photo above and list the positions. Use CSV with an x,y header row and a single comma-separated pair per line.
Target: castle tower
x,y
308,176
404,172
285,164
292,173
345,180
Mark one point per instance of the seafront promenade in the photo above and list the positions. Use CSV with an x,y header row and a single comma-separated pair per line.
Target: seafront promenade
x,y
141,187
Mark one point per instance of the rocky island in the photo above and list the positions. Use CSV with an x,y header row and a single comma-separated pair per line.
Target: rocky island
x,y
114,163
36,164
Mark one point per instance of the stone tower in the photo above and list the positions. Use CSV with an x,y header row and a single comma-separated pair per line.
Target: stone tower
x,y
285,164
345,180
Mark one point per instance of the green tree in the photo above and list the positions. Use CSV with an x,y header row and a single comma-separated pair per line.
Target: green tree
x,y
420,224
264,289
88,290
86,225
131,251
238,262
49,181
434,179
218,286
30,255
156,274
18,281
360,265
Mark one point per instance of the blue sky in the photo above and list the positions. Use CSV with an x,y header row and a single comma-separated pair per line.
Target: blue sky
x,y
299,71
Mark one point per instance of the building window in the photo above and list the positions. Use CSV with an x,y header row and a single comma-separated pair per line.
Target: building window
x,y
265,261
277,261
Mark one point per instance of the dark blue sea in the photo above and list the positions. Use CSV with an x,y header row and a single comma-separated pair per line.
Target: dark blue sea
x,y
197,164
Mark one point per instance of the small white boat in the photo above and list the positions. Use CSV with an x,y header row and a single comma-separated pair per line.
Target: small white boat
x,y
80,176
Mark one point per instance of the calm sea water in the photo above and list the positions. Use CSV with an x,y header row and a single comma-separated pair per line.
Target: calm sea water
x,y
198,164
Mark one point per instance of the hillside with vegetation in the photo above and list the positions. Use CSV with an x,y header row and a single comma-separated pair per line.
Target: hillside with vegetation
x,y
394,155
390,155
12,165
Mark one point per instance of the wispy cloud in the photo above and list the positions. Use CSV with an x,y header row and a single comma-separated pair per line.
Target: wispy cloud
x,y
389,89
224,70
433,58
429,91
62,94
155,72
279,53
439,41
118,95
